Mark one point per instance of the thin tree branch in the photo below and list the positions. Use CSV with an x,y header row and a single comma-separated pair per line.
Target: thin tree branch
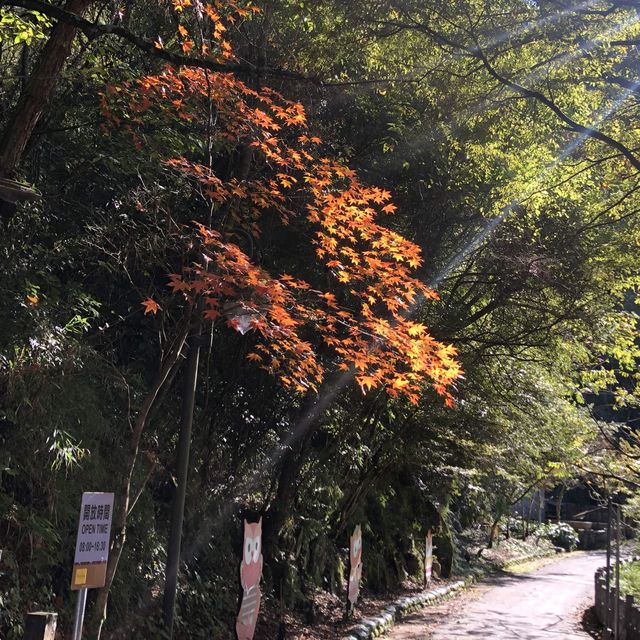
x,y
590,132
632,86
94,30
477,52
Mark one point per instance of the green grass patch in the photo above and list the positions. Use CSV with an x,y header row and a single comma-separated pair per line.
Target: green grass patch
x,y
630,579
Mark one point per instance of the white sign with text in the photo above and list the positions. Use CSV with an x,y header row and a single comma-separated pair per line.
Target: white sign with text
x,y
92,544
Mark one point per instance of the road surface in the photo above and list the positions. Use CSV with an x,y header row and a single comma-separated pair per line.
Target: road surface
x,y
546,604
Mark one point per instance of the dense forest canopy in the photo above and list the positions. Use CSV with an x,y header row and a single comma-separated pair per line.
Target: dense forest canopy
x,y
393,246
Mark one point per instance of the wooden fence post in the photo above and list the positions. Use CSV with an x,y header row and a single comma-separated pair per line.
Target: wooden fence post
x,y
41,626
622,617
628,617
606,602
597,596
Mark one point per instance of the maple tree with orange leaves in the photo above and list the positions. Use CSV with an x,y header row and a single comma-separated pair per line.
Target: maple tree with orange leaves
x,y
362,312
212,309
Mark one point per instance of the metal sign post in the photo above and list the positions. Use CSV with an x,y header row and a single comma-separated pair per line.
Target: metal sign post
x,y
78,616
92,551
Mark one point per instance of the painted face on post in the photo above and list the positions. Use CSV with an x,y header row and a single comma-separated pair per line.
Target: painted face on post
x,y
251,567
355,547
355,564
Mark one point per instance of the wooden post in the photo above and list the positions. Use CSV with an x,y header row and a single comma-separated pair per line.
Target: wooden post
x,y
628,616
622,619
598,599
607,620
616,613
41,626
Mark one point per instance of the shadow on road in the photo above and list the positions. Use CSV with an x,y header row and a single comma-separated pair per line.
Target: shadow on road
x,y
544,604
503,577
590,624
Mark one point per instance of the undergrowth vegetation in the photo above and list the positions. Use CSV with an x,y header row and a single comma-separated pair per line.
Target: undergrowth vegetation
x,y
390,247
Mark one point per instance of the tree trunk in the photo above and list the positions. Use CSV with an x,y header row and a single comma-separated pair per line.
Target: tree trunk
x,y
559,504
494,531
38,91
123,493
305,423
529,515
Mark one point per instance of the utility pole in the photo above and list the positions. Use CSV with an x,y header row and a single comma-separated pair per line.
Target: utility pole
x,y
184,447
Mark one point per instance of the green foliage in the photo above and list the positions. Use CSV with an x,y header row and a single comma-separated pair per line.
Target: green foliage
x,y
630,579
541,312
25,27
560,534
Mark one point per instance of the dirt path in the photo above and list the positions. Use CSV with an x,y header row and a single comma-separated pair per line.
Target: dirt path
x,y
546,604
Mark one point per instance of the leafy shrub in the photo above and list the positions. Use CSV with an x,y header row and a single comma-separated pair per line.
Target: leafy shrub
x,y
514,526
559,534
630,579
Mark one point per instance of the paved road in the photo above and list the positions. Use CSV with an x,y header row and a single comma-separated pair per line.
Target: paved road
x,y
546,604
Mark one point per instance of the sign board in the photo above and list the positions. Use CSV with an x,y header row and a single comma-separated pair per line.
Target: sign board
x,y
428,558
92,543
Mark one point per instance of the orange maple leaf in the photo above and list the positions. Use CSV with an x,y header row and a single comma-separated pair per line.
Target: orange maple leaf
x,y
366,382
150,306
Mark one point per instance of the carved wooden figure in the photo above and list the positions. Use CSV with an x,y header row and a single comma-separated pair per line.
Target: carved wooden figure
x,y
250,574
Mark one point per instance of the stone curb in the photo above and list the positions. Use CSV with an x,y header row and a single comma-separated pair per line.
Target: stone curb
x,y
379,625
